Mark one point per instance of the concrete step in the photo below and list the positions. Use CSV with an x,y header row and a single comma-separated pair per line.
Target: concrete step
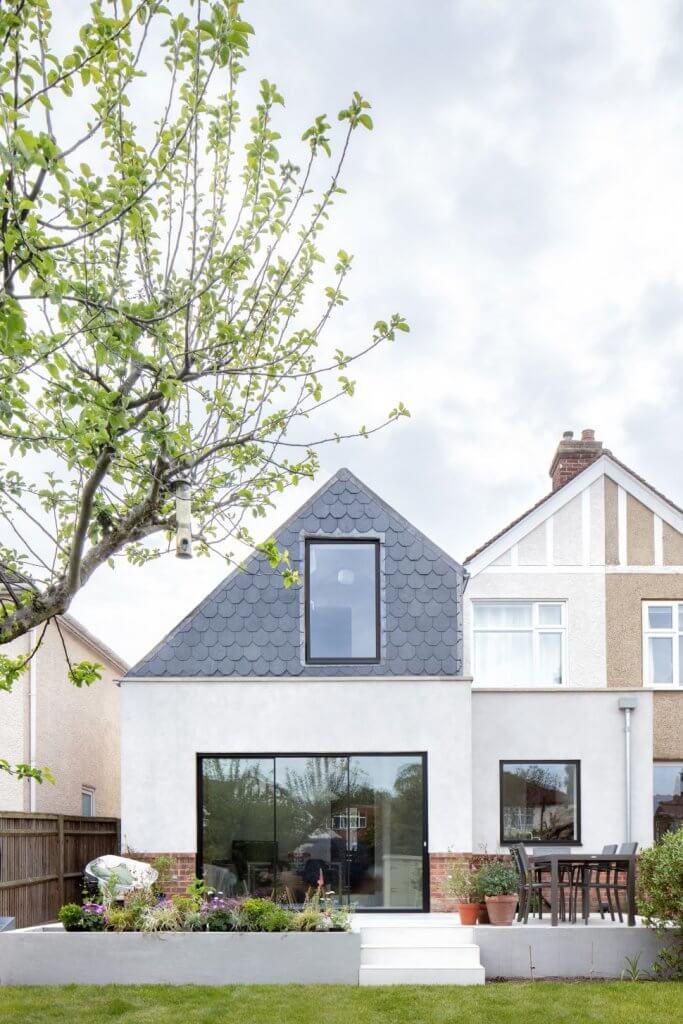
x,y
372,975
372,955
416,935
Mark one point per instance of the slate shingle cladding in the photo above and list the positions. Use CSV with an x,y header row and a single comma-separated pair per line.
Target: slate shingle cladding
x,y
251,626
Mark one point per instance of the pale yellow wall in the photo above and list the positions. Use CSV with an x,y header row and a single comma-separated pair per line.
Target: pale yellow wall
x,y
13,732
611,523
673,545
668,726
640,533
624,594
78,729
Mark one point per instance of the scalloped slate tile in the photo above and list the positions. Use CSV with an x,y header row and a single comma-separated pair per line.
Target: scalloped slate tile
x,y
250,625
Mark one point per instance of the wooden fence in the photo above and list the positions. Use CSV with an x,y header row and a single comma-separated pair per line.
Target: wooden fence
x,y
42,857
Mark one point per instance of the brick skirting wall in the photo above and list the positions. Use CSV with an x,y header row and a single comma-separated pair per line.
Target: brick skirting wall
x,y
182,873
440,866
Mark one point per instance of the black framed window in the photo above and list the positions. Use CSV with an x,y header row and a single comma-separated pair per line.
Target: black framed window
x,y
342,601
540,802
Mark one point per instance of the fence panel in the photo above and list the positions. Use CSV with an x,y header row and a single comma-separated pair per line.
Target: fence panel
x,y
42,857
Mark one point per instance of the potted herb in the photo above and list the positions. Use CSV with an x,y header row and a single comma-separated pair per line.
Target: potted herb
x,y
498,883
459,886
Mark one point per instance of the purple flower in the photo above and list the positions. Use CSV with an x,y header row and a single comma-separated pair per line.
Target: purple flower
x,y
93,908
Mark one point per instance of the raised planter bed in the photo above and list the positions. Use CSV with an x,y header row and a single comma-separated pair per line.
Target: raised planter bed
x,y
55,957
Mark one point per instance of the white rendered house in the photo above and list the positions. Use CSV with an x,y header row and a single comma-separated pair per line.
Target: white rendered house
x,y
334,728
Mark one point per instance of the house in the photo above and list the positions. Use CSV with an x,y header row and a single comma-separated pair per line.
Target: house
x,y
576,607
397,708
46,721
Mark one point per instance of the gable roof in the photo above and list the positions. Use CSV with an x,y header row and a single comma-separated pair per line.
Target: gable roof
x,y
577,483
250,625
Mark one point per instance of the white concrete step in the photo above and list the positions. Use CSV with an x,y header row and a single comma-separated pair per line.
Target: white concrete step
x,y
372,975
416,935
372,955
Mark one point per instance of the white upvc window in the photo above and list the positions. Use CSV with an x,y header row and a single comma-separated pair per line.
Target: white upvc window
x,y
519,643
88,801
663,643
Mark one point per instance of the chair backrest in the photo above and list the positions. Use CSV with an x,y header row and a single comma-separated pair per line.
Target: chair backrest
x,y
628,848
521,859
610,849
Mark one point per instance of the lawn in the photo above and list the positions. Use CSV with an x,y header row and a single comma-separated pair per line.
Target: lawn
x,y
538,1003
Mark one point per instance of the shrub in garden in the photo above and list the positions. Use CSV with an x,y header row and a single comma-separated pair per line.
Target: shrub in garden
x,y
496,878
121,920
660,882
660,899
261,915
94,918
162,918
220,921
71,916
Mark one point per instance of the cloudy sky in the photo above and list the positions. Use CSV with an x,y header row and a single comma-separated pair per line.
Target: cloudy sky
x,y
520,202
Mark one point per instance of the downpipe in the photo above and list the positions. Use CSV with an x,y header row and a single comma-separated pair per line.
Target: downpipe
x,y
627,705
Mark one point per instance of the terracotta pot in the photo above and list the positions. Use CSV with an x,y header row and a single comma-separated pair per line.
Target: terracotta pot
x,y
483,914
469,912
501,909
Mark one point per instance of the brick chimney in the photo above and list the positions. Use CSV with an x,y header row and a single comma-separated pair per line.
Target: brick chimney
x,y
573,455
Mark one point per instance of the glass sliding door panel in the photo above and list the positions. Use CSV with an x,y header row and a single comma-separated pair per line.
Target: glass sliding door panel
x,y
311,825
386,831
237,822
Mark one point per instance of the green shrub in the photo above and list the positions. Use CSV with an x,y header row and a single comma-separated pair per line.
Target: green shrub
x,y
307,920
162,918
71,916
121,920
261,915
459,882
496,878
164,865
219,921
660,882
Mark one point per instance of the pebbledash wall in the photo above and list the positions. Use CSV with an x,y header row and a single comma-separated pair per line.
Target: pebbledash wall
x,y
159,806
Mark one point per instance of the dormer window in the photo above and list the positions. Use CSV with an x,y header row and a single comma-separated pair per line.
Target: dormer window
x,y
342,601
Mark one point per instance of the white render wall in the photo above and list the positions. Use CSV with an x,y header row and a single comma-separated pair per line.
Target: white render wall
x,y
557,725
561,559
584,594
165,724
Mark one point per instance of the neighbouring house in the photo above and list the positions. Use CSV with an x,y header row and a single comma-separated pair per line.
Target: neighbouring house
x,y
572,611
398,708
46,721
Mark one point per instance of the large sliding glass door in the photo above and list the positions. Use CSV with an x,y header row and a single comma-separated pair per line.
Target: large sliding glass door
x,y
282,824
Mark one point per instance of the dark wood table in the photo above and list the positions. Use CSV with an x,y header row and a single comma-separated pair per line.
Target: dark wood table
x,y
552,862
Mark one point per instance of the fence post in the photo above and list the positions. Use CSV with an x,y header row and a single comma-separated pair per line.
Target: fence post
x,y
60,859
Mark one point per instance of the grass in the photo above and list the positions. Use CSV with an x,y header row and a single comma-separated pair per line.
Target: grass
x,y
618,1002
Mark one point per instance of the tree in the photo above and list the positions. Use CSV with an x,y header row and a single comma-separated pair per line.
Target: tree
x,y
160,316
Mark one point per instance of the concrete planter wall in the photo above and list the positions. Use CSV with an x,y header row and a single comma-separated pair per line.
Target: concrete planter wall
x,y
55,957
571,951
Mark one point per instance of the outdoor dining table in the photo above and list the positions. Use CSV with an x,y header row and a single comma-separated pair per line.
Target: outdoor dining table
x,y
552,861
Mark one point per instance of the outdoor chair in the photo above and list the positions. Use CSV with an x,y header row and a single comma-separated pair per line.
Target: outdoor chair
x,y
531,884
618,885
596,878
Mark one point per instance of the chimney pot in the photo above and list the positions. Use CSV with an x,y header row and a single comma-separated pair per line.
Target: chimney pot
x,y
587,435
568,435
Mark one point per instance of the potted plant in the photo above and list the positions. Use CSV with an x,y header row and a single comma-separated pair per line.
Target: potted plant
x,y
459,886
498,883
